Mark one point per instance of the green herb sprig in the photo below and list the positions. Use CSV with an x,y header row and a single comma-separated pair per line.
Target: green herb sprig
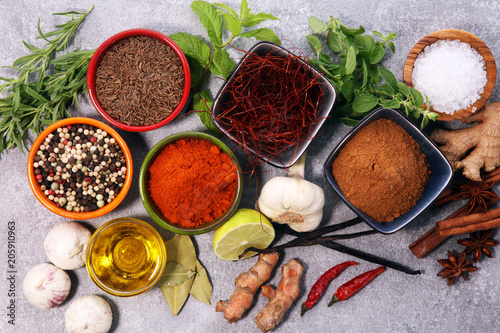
x,y
362,84
58,81
219,20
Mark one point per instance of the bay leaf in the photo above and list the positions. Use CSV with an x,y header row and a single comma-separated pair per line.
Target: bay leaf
x,y
177,295
180,249
202,288
174,274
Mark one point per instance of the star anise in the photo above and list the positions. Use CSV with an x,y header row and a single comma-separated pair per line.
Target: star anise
x,y
455,266
477,192
479,243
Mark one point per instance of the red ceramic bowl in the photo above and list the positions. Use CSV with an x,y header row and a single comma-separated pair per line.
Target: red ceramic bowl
x,y
50,205
96,60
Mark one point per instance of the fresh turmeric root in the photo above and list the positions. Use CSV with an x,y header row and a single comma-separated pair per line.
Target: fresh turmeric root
x,y
246,285
282,298
483,138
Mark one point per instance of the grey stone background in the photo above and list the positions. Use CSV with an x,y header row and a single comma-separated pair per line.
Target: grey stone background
x,y
394,302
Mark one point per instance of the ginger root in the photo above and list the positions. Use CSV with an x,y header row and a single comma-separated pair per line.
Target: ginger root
x,y
281,299
483,138
246,285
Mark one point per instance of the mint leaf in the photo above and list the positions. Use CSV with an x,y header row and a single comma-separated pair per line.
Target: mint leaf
x,y
350,64
226,7
364,103
222,64
254,19
192,47
317,25
314,44
388,77
202,102
232,24
244,10
210,20
262,34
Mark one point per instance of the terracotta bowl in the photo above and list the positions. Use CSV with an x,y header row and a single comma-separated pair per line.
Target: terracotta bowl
x,y
49,204
96,60
477,44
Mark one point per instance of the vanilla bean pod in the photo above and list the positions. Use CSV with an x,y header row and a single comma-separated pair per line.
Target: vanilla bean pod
x,y
368,257
307,242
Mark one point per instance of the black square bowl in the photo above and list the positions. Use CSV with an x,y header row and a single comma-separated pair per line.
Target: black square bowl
x,y
440,177
292,153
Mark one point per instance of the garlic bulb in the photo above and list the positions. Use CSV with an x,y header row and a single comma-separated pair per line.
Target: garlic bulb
x,y
293,200
46,286
89,314
66,244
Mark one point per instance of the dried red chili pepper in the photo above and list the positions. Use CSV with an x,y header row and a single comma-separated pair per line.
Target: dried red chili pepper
x,y
351,287
320,285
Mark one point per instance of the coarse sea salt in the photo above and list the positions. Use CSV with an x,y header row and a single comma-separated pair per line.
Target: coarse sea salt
x,y
451,73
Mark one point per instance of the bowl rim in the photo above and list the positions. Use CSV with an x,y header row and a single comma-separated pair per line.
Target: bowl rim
x,y
150,206
158,273
400,222
50,205
476,43
96,60
329,90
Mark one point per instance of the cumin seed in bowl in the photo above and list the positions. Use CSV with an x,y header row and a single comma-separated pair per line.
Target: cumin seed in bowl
x,y
139,80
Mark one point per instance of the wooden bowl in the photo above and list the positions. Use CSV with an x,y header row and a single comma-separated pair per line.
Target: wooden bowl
x,y
476,43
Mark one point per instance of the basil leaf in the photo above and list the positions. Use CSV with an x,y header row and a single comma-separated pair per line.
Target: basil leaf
x,y
350,64
210,20
352,31
192,47
222,64
418,100
403,88
232,24
334,42
364,103
317,25
377,54
201,289
388,77
174,274
202,102
254,19
315,44
347,90
262,34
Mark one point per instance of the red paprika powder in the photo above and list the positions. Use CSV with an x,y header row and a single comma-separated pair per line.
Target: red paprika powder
x,y
192,182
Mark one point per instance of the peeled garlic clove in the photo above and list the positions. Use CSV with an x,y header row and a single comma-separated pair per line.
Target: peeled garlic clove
x,y
89,314
66,244
46,286
293,201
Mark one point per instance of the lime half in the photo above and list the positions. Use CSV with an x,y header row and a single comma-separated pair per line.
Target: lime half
x,y
246,228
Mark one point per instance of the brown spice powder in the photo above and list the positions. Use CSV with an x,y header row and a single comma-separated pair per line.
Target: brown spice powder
x,y
140,81
382,170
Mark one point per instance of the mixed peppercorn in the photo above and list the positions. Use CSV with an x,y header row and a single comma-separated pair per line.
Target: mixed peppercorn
x,y
80,167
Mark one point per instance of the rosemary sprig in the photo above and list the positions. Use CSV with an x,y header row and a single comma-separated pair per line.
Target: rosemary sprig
x,y
28,105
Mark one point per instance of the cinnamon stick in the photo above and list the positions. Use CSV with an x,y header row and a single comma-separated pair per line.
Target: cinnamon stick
x,y
432,238
470,223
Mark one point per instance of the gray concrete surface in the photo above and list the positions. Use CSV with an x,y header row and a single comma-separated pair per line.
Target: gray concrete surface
x,y
394,302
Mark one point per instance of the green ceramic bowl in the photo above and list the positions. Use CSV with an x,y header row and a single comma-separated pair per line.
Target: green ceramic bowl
x,y
155,212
